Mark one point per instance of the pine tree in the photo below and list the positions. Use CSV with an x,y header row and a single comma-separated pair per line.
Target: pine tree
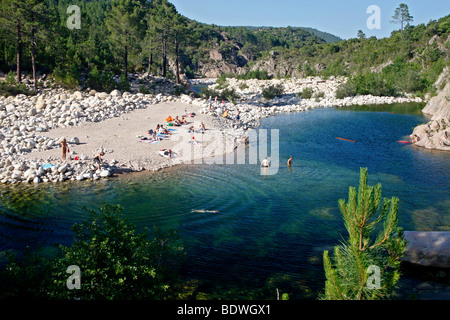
x,y
12,14
364,268
161,24
402,16
179,35
36,19
125,22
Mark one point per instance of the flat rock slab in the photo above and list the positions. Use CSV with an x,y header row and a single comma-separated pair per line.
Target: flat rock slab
x,y
428,248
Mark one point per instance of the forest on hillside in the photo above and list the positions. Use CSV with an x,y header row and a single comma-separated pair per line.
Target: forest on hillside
x,y
116,37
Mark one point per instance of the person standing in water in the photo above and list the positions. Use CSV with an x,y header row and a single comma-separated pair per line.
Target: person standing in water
x,y
265,163
289,162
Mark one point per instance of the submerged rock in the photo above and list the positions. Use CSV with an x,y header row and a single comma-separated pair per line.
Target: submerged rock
x,y
431,249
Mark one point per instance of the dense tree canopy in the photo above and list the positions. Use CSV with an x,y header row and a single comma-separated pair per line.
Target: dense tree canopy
x,y
121,36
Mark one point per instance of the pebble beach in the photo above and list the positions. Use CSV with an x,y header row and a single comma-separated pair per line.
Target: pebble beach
x,y
116,123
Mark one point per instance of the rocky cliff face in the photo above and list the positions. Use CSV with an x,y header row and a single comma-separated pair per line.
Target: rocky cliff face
x,y
224,57
436,133
278,66
439,106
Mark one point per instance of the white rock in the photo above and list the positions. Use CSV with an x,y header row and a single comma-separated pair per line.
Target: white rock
x,y
105,173
16,174
10,108
63,168
116,93
75,140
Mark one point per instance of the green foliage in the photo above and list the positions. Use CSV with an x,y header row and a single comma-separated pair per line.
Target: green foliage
x,y
9,87
347,89
124,35
336,68
222,81
226,94
272,91
349,272
319,95
123,84
115,262
306,93
101,80
255,74
68,79
368,83
143,89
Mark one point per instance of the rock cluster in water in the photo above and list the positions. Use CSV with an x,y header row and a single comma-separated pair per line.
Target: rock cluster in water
x,y
436,133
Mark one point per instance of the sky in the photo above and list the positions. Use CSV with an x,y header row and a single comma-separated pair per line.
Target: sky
x,y
342,18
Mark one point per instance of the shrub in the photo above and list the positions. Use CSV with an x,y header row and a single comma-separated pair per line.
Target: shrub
x,y
115,262
9,87
347,89
273,91
226,94
243,86
123,84
67,79
143,89
222,82
255,74
306,93
319,94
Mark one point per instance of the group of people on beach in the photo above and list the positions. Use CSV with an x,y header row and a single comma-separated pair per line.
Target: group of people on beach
x,y
97,158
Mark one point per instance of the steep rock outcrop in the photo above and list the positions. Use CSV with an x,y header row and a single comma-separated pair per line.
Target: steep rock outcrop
x,y
436,133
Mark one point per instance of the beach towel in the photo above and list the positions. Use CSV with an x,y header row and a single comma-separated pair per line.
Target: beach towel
x,y
150,141
48,166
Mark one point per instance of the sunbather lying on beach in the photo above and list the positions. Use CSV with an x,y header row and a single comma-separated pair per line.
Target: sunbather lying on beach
x,y
183,120
163,130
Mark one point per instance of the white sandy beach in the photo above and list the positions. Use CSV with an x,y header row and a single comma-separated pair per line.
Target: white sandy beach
x,y
118,138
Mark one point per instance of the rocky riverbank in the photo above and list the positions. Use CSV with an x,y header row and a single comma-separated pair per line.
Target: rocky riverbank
x,y
252,105
436,133
32,126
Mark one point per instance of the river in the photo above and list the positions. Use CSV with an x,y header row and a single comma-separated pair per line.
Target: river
x,y
243,231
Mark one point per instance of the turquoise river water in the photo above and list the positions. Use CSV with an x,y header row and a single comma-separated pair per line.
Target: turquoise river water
x,y
245,231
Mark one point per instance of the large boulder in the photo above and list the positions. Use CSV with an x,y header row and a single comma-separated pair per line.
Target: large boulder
x,y
428,248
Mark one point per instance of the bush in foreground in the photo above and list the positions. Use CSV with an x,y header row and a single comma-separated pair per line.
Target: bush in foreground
x,y
115,262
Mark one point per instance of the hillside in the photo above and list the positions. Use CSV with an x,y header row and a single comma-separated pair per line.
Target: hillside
x,y
164,43
397,64
158,36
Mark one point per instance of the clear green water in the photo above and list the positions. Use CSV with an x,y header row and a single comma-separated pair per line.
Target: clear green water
x,y
269,230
